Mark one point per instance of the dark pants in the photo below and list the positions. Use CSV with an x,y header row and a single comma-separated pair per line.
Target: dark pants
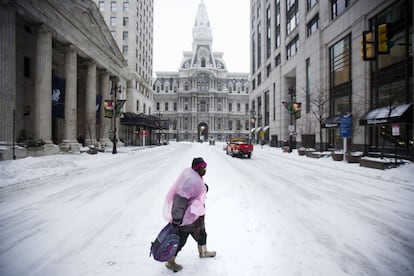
x,y
197,230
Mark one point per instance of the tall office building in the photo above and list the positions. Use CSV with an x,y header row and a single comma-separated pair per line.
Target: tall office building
x,y
131,24
308,78
202,100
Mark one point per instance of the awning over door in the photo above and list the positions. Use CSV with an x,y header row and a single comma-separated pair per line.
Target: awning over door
x,y
388,115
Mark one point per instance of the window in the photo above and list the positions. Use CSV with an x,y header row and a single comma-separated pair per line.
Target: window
x,y
158,107
340,76
291,16
166,107
113,6
125,50
259,79
113,21
124,35
259,45
253,63
230,107
238,124
125,21
126,6
340,62
268,69
277,60
101,6
230,125
292,48
338,7
175,106
310,4
238,107
137,106
268,34
203,106
277,24
313,25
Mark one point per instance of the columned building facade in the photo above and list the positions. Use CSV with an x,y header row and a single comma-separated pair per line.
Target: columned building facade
x,y
307,72
58,62
202,100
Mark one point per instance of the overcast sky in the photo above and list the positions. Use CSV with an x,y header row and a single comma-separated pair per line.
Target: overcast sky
x,y
173,24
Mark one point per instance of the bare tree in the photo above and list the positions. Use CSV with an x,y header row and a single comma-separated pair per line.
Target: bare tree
x,y
320,107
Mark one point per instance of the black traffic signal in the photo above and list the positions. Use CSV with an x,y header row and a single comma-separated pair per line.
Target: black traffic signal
x,y
368,46
385,32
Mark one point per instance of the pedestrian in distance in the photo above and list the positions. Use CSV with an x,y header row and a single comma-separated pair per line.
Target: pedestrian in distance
x,y
185,207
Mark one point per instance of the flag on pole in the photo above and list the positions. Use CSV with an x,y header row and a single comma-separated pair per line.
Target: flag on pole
x,y
293,108
109,107
297,108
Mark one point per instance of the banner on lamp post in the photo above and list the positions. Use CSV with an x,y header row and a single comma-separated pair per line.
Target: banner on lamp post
x,y
109,108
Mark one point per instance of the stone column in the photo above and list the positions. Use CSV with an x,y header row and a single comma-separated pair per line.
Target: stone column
x,y
43,91
105,122
43,85
69,142
7,79
90,104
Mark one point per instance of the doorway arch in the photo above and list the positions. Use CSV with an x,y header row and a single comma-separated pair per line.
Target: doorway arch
x,y
202,130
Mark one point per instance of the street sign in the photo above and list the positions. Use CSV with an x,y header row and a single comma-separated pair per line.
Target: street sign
x,y
345,126
143,133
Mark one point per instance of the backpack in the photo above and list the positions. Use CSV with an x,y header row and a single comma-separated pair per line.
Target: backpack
x,y
164,247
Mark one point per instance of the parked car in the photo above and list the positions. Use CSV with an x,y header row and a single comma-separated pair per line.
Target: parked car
x,y
239,147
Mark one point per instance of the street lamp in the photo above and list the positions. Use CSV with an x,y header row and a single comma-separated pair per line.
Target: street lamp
x,y
292,128
114,91
159,128
252,121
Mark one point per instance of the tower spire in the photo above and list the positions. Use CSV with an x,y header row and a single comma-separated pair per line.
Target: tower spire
x,y
201,29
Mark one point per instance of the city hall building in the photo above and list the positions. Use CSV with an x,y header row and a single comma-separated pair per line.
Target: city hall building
x,y
202,100
308,73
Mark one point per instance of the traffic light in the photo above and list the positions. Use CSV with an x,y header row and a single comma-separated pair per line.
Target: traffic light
x,y
368,46
382,40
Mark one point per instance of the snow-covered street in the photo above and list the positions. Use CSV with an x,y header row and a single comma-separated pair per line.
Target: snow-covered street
x,y
275,214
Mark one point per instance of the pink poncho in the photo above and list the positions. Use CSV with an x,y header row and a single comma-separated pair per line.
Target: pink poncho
x,y
189,185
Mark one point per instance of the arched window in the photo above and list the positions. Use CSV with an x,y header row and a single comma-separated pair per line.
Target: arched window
x,y
203,106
